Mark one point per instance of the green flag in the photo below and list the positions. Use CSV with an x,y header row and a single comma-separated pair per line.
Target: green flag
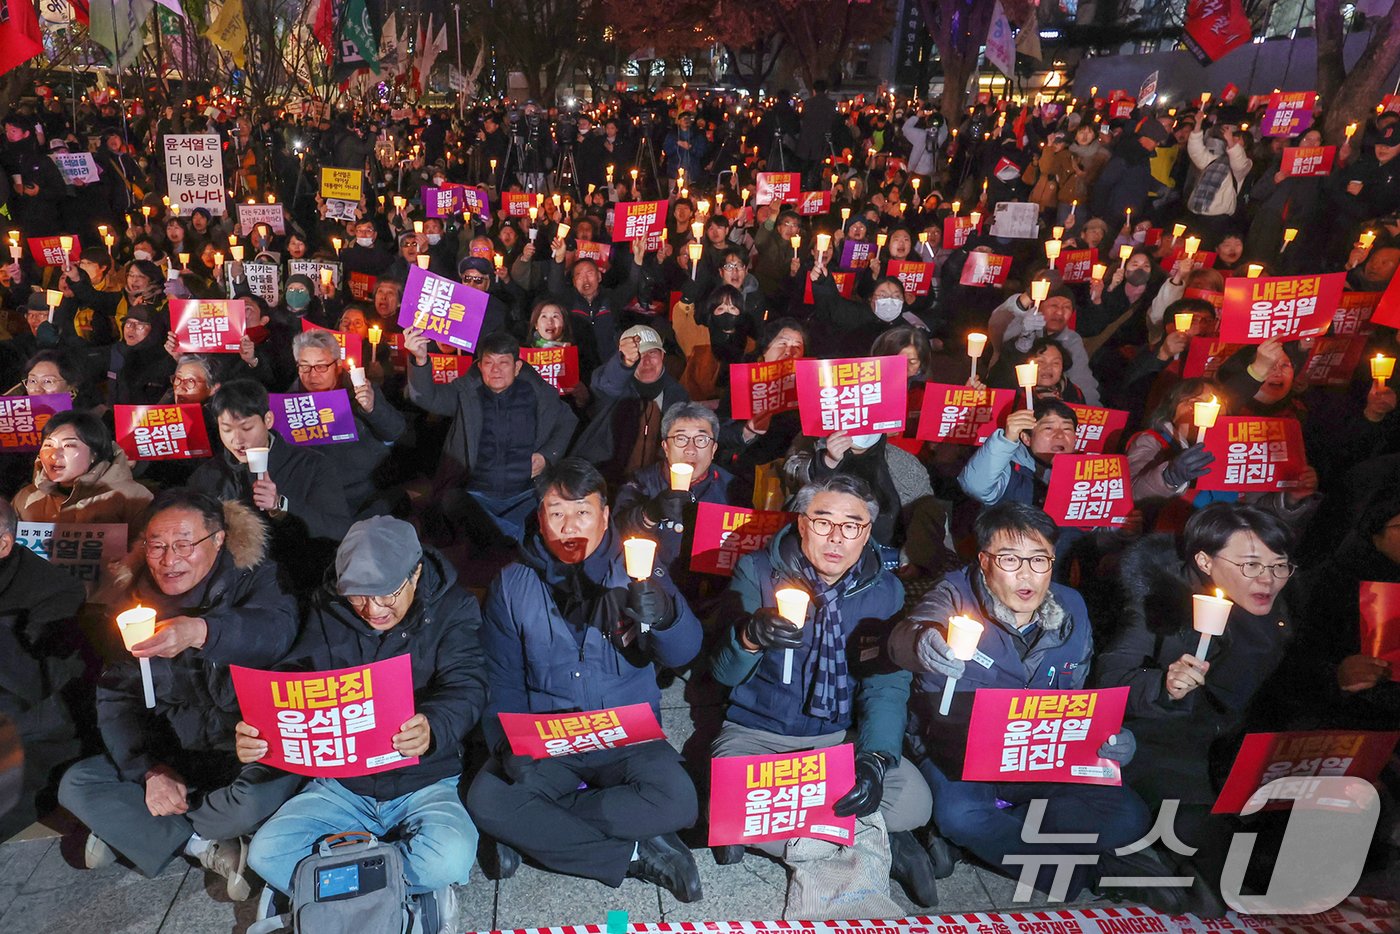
x,y
359,38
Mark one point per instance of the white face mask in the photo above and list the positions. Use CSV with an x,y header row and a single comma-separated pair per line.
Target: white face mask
x,y
887,309
865,442
142,254
365,241
434,239
438,182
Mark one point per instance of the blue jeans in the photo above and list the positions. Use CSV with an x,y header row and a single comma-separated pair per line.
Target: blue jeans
x,y
429,826
986,818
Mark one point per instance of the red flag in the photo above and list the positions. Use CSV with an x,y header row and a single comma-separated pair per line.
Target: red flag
x,y
80,11
19,34
1215,27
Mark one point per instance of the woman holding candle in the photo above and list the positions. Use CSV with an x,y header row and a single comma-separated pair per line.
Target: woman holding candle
x,y
80,476
1188,712
1052,376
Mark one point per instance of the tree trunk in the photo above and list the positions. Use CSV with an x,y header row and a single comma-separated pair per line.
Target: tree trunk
x,y
959,29
1363,87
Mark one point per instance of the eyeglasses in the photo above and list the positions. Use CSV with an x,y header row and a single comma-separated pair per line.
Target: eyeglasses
x,y
823,527
1253,569
732,266
474,280
1012,563
360,602
188,382
44,382
699,442
182,549
317,368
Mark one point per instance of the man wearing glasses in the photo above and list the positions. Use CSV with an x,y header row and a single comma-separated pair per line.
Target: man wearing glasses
x,y
818,684
647,506
1037,636
168,782
387,583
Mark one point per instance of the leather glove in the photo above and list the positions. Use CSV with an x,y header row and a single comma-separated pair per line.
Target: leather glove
x,y
936,655
1120,747
668,505
1192,463
864,797
46,335
768,629
650,606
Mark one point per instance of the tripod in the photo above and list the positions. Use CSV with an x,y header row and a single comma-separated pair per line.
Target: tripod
x,y
644,148
514,153
566,168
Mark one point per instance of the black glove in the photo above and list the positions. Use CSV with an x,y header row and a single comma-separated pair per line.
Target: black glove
x,y
864,797
649,606
768,629
667,505
1191,463
46,335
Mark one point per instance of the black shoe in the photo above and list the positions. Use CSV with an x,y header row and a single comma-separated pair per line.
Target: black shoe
x,y
498,861
911,867
1196,899
944,855
665,861
728,855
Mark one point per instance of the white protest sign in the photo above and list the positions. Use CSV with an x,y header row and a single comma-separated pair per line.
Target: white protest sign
x,y
251,215
77,167
194,172
1016,220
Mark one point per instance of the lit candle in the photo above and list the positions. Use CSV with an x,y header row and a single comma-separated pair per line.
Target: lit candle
x,y
335,242
697,229
14,245
237,253
1209,614
563,231
1289,235
218,260
1203,415
633,173
1040,288
1098,272
375,333
694,249
976,344
703,207
327,275
1052,250
1184,320
1205,98
639,554
610,173
976,218
1057,233
1366,240
1027,374
1382,368
357,373
796,242
1178,231
963,633
423,259
956,206
1193,245
418,226
1253,271
110,240
136,625
1351,131
681,475
880,240
102,230
493,169
792,606
845,215
55,298
823,243
1124,252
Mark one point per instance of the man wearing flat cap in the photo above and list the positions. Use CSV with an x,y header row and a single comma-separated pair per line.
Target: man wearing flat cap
x,y
391,596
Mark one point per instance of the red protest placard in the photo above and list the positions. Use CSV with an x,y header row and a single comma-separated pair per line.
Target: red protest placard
x,y
1043,736
362,286
1256,310
329,724
1099,429
1254,454
518,203
448,367
48,251
1333,360
956,230
1152,236
635,219
1289,113
917,278
551,735
1204,356
845,285
1229,93
961,414
22,419
812,203
557,366
1122,108
985,269
1380,623
763,388
1076,265
1303,161
776,187
600,253
352,346
782,796
205,325
1264,757
1354,314
161,432
858,395
1089,490
724,534
1210,295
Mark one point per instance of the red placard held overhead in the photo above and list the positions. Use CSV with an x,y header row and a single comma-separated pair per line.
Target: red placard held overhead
x,y
1256,310
1305,161
1089,490
1254,455
776,187
205,325
633,220
982,269
917,278
859,395
724,534
764,388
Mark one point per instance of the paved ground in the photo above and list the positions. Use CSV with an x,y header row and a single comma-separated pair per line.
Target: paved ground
x,y
41,891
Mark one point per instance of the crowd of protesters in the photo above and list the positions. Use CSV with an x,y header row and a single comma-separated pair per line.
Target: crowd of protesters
x,y
477,524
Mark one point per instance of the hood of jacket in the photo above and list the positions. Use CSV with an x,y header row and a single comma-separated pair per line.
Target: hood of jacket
x,y
1157,585
101,477
245,546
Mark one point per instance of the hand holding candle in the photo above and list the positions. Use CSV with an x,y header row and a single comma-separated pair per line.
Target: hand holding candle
x,y
792,606
963,633
1027,375
1382,368
1209,614
136,626
639,554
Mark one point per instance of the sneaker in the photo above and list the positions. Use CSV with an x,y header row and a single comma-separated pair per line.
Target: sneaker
x,y
229,858
911,867
97,854
728,855
447,909
436,912
666,861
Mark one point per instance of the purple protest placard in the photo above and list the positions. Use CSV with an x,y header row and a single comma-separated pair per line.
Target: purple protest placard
x,y
313,417
476,201
448,311
442,202
22,419
856,254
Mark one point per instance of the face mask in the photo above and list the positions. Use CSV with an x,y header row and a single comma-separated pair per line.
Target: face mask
x,y
434,239
142,254
1137,276
438,182
298,299
1139,236
887,309
864,442
365,241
